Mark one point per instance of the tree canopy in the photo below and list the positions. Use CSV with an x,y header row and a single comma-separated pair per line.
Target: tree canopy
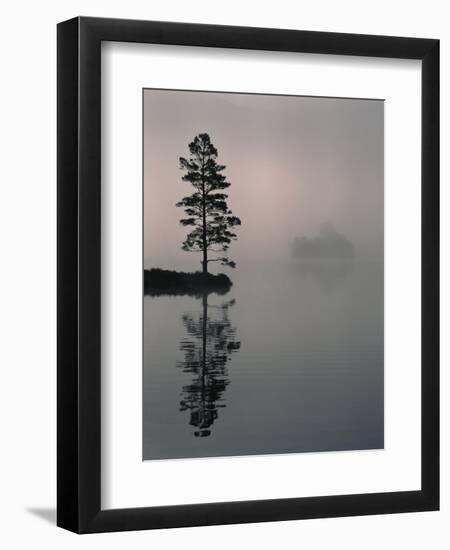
x,y
206,207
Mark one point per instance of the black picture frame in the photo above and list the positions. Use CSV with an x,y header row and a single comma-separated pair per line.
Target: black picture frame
x,y
79,281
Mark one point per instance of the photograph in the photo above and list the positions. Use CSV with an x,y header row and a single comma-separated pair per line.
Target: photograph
x,y
240,246
263,283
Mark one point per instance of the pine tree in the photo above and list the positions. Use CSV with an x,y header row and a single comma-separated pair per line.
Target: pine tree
x,y
206,208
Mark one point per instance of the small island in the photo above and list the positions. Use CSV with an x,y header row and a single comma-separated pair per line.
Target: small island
x,y
164,281
328,244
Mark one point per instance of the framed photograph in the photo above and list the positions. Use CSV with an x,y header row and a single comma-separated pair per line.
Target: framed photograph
x,y
248,275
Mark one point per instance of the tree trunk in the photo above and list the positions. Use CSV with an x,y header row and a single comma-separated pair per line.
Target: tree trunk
x,y
205,258
205,250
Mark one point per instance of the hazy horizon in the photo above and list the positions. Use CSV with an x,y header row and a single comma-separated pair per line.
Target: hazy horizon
x,y
294,163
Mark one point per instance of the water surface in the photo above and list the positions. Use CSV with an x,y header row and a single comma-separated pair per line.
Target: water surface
x,y
289,360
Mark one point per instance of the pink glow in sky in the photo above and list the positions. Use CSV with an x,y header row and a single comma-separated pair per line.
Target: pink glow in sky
x,y
293,162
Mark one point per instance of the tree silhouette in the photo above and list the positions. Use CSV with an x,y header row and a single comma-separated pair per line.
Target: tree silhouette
x,y
206,208
212,340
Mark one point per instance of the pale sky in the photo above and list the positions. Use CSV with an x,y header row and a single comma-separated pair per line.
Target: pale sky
x,y
293,163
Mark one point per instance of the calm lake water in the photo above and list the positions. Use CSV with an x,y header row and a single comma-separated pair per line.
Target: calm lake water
x,y
289,360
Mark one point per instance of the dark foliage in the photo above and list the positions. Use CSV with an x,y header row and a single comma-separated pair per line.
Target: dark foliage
x,y
206,208
163,281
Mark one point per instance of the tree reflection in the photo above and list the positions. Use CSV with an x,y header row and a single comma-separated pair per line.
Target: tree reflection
x,y
207,349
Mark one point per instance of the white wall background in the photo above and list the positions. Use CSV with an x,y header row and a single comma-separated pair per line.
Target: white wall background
x,y
28,274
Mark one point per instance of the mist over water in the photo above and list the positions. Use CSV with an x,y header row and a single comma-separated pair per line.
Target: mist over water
x,y
290,360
